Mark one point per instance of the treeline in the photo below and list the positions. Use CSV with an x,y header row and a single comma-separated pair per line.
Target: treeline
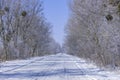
x,y
93,31
24,31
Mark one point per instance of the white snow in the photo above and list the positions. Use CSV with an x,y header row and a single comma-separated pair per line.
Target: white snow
x,y
54,67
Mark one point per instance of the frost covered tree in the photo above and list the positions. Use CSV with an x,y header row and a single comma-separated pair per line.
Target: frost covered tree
x,y
93,31
24,31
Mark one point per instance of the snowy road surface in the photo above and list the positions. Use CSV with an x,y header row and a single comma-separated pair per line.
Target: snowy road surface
x,y
54,67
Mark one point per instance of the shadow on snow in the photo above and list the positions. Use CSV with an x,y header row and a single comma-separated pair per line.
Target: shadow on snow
x,y
57,72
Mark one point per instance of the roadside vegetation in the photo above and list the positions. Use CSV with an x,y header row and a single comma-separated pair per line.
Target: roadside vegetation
x,y
93,31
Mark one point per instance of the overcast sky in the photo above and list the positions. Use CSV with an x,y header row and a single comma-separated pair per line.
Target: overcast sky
x,y
56,12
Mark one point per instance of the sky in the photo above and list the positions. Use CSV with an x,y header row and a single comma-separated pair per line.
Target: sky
x,y
56,12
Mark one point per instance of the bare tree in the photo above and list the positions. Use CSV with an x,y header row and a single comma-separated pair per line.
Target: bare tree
x,y
24,30
90,31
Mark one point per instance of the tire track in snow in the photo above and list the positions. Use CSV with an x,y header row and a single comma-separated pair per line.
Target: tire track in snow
x,y
87,74
75,61
53,69
21,66
48,68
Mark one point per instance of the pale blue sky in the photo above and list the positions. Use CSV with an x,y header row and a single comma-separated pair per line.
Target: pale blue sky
x,y
56,12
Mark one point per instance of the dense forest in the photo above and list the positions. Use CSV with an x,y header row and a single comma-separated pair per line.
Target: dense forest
x,y
93,31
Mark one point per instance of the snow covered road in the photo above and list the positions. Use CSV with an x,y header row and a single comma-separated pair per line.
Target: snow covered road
x,y
54,67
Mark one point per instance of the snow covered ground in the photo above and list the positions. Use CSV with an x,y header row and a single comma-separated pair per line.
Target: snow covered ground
x,y
54,67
